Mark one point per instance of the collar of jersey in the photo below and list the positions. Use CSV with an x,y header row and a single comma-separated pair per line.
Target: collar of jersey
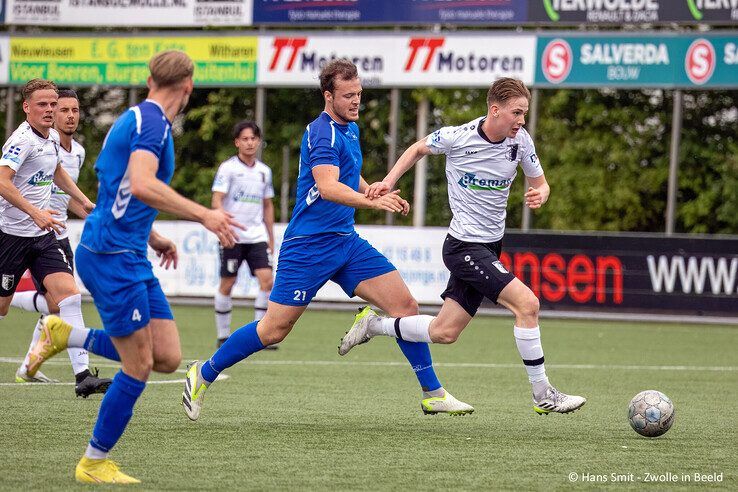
x,y
484,136
334,121
161,108
38,133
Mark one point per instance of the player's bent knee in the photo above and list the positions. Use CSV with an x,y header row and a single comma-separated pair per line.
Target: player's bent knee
x,y
168,363
530,306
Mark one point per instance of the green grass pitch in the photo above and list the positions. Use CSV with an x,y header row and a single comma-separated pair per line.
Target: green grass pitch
x,y
303,418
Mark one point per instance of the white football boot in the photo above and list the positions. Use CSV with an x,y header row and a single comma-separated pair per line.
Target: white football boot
x,y
359,331
445,404
194,391
558,402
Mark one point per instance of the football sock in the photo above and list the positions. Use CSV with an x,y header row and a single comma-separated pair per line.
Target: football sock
x,y
94,453
79,358
410,328
223,313
528,341
30,300
70,310
419,357
438,393
260,304
242,343
98,342
116,410
34,339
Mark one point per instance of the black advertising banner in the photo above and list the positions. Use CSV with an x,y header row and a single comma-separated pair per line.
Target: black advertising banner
x,y
632,11
627,273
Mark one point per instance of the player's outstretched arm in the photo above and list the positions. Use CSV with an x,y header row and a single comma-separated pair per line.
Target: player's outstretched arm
x,y
64,181
331,189
42,218
413,154
538,192
145,186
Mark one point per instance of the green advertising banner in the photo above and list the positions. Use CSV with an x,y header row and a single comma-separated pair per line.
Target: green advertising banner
x,y
637,61
123,61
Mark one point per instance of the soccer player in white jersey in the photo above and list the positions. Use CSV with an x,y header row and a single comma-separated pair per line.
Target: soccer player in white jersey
x,y
481,162
30,167
72,156
243,188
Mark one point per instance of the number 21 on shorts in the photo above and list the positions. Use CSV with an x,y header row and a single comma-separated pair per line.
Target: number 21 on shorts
x,y
300,295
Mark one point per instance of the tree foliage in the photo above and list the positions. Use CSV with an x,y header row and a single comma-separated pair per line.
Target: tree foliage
x,y
605,152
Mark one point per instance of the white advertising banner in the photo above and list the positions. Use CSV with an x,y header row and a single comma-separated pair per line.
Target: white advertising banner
x,y
394,60
416,252
4,59
130,13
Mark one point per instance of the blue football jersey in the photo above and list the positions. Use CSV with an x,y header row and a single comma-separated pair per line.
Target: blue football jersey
x,y
325,142
121,222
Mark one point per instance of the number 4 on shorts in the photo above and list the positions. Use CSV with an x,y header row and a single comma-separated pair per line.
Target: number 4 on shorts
x,y
136,316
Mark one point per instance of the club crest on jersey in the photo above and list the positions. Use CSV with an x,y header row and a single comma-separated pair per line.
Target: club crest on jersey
x,y
41,179
512,152
471,182
8,281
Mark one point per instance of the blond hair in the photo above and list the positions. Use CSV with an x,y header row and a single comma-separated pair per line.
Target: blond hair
x,y
506,88
34,85
171,67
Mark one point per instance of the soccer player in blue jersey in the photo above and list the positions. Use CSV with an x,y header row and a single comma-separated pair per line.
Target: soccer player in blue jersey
x,y
320,244
134,168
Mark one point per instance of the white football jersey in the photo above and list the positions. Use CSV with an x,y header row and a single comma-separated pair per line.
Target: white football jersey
x,y
245,189
72,163
479,174
34,160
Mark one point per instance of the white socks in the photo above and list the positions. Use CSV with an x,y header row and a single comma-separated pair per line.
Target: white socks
x,y
528,341
223,310
260,304
409,328
70,310
94,453
30,300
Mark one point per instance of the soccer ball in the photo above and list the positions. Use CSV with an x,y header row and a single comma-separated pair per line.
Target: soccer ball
x,y
651,413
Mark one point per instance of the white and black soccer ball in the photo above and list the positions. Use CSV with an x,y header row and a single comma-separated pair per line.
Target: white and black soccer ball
x,y
651,413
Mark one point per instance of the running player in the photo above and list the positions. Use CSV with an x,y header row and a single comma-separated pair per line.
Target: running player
x,y
30,167
320,244
243,187
481,162
134,168
72,156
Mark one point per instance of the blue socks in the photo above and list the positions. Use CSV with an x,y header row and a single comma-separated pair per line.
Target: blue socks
x,y
242,343
116,410
419,356
98,342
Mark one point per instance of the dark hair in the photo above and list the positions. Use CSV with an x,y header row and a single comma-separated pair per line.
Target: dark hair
x,y
68,93
341,68
242,125
505,89
34,85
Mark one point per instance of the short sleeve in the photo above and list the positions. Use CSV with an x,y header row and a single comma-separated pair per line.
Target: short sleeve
x,y
529,162
268,185
152,130
15,151
222,181
441,141
82,157
323,146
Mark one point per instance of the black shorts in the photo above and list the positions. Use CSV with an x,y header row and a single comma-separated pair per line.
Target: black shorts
x,y
476,272
43,255
69,255
255,255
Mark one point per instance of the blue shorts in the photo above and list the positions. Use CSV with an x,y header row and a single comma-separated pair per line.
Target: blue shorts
x,y
307,263
125,291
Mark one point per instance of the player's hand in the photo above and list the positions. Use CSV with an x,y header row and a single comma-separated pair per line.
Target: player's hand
x,y
223,225
392,202
45,220
534,198
165,249
88,206
375,190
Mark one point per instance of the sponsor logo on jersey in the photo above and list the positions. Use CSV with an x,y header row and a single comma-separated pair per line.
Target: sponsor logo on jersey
x,y
41,179
471,182
700,61
244,197
470,152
